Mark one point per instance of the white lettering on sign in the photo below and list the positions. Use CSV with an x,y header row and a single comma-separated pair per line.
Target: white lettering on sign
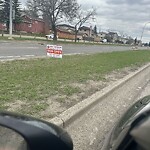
x,y
54,51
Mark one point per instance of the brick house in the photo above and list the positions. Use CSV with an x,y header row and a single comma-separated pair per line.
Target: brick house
x,y
86,31
2,26
65,31
32,25
65,34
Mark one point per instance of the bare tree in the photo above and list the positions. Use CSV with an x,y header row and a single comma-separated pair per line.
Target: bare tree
x,y
55,11
81,18
32,8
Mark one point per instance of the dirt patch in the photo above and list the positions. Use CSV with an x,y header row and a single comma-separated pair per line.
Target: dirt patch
x,y
59,103
15,105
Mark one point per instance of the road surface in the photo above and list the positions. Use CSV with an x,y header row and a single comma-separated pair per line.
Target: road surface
x,y
88,131
18,49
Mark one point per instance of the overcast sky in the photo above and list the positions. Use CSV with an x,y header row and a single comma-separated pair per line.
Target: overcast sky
x,y
126,16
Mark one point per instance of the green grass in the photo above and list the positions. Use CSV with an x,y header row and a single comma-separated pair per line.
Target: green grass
x,y
36,80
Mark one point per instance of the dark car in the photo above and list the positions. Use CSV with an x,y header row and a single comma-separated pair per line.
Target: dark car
x,y
119,137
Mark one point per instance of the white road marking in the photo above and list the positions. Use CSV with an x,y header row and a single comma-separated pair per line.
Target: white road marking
x,y
29,55
73,54
10,58
2,47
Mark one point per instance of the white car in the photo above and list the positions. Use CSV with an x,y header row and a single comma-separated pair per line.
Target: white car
x,y
50,36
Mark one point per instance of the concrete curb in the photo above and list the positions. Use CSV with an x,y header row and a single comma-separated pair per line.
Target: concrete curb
x,y
70,115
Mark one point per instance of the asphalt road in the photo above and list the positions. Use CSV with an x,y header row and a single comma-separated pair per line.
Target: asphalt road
x,y
88,131
18,49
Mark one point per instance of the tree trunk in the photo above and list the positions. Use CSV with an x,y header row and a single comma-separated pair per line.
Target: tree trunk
x,y
76,32
55,32
75,37
7,25
2,32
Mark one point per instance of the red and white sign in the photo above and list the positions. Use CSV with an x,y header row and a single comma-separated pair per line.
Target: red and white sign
x,y
54,51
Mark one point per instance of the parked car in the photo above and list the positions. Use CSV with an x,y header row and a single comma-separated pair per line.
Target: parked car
x,y
50,36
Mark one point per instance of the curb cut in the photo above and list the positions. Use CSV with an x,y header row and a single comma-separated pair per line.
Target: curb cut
x,y
67,117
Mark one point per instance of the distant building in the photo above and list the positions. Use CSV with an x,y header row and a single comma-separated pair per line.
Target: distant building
x,y
2,26
114,36
86,31
65,34
32,25
102,35
66,27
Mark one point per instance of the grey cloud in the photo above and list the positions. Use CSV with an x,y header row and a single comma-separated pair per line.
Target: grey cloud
x,y
126,13
128,2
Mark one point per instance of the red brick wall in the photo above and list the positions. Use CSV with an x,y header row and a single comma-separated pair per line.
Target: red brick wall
x,y
2,27
24,27
38,26
65,35
34,27
30,25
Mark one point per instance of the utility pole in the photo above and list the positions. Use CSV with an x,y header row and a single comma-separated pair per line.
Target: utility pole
x,y
143,30
10,21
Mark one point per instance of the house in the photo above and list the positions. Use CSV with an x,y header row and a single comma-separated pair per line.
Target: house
x,y
65,34
2,26
32,25
112,37
66,27
29,25
65,31
86,31
102,35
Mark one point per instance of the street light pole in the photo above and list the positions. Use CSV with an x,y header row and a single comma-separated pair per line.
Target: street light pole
x,y
10,21
143,30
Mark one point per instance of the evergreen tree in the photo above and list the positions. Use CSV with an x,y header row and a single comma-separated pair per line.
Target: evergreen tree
x,y
5,12
17,16
95,30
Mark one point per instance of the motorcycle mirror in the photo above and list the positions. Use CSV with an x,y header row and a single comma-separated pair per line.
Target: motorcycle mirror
x,y
19,132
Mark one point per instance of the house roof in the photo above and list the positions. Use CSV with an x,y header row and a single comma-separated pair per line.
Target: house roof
x,y
31,18
84,28
112,33
65,25
102,33
65,30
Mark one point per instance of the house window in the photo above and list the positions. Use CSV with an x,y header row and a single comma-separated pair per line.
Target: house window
x,y
30,25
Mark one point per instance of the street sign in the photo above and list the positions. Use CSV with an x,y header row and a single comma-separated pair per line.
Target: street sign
x,y
54,51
